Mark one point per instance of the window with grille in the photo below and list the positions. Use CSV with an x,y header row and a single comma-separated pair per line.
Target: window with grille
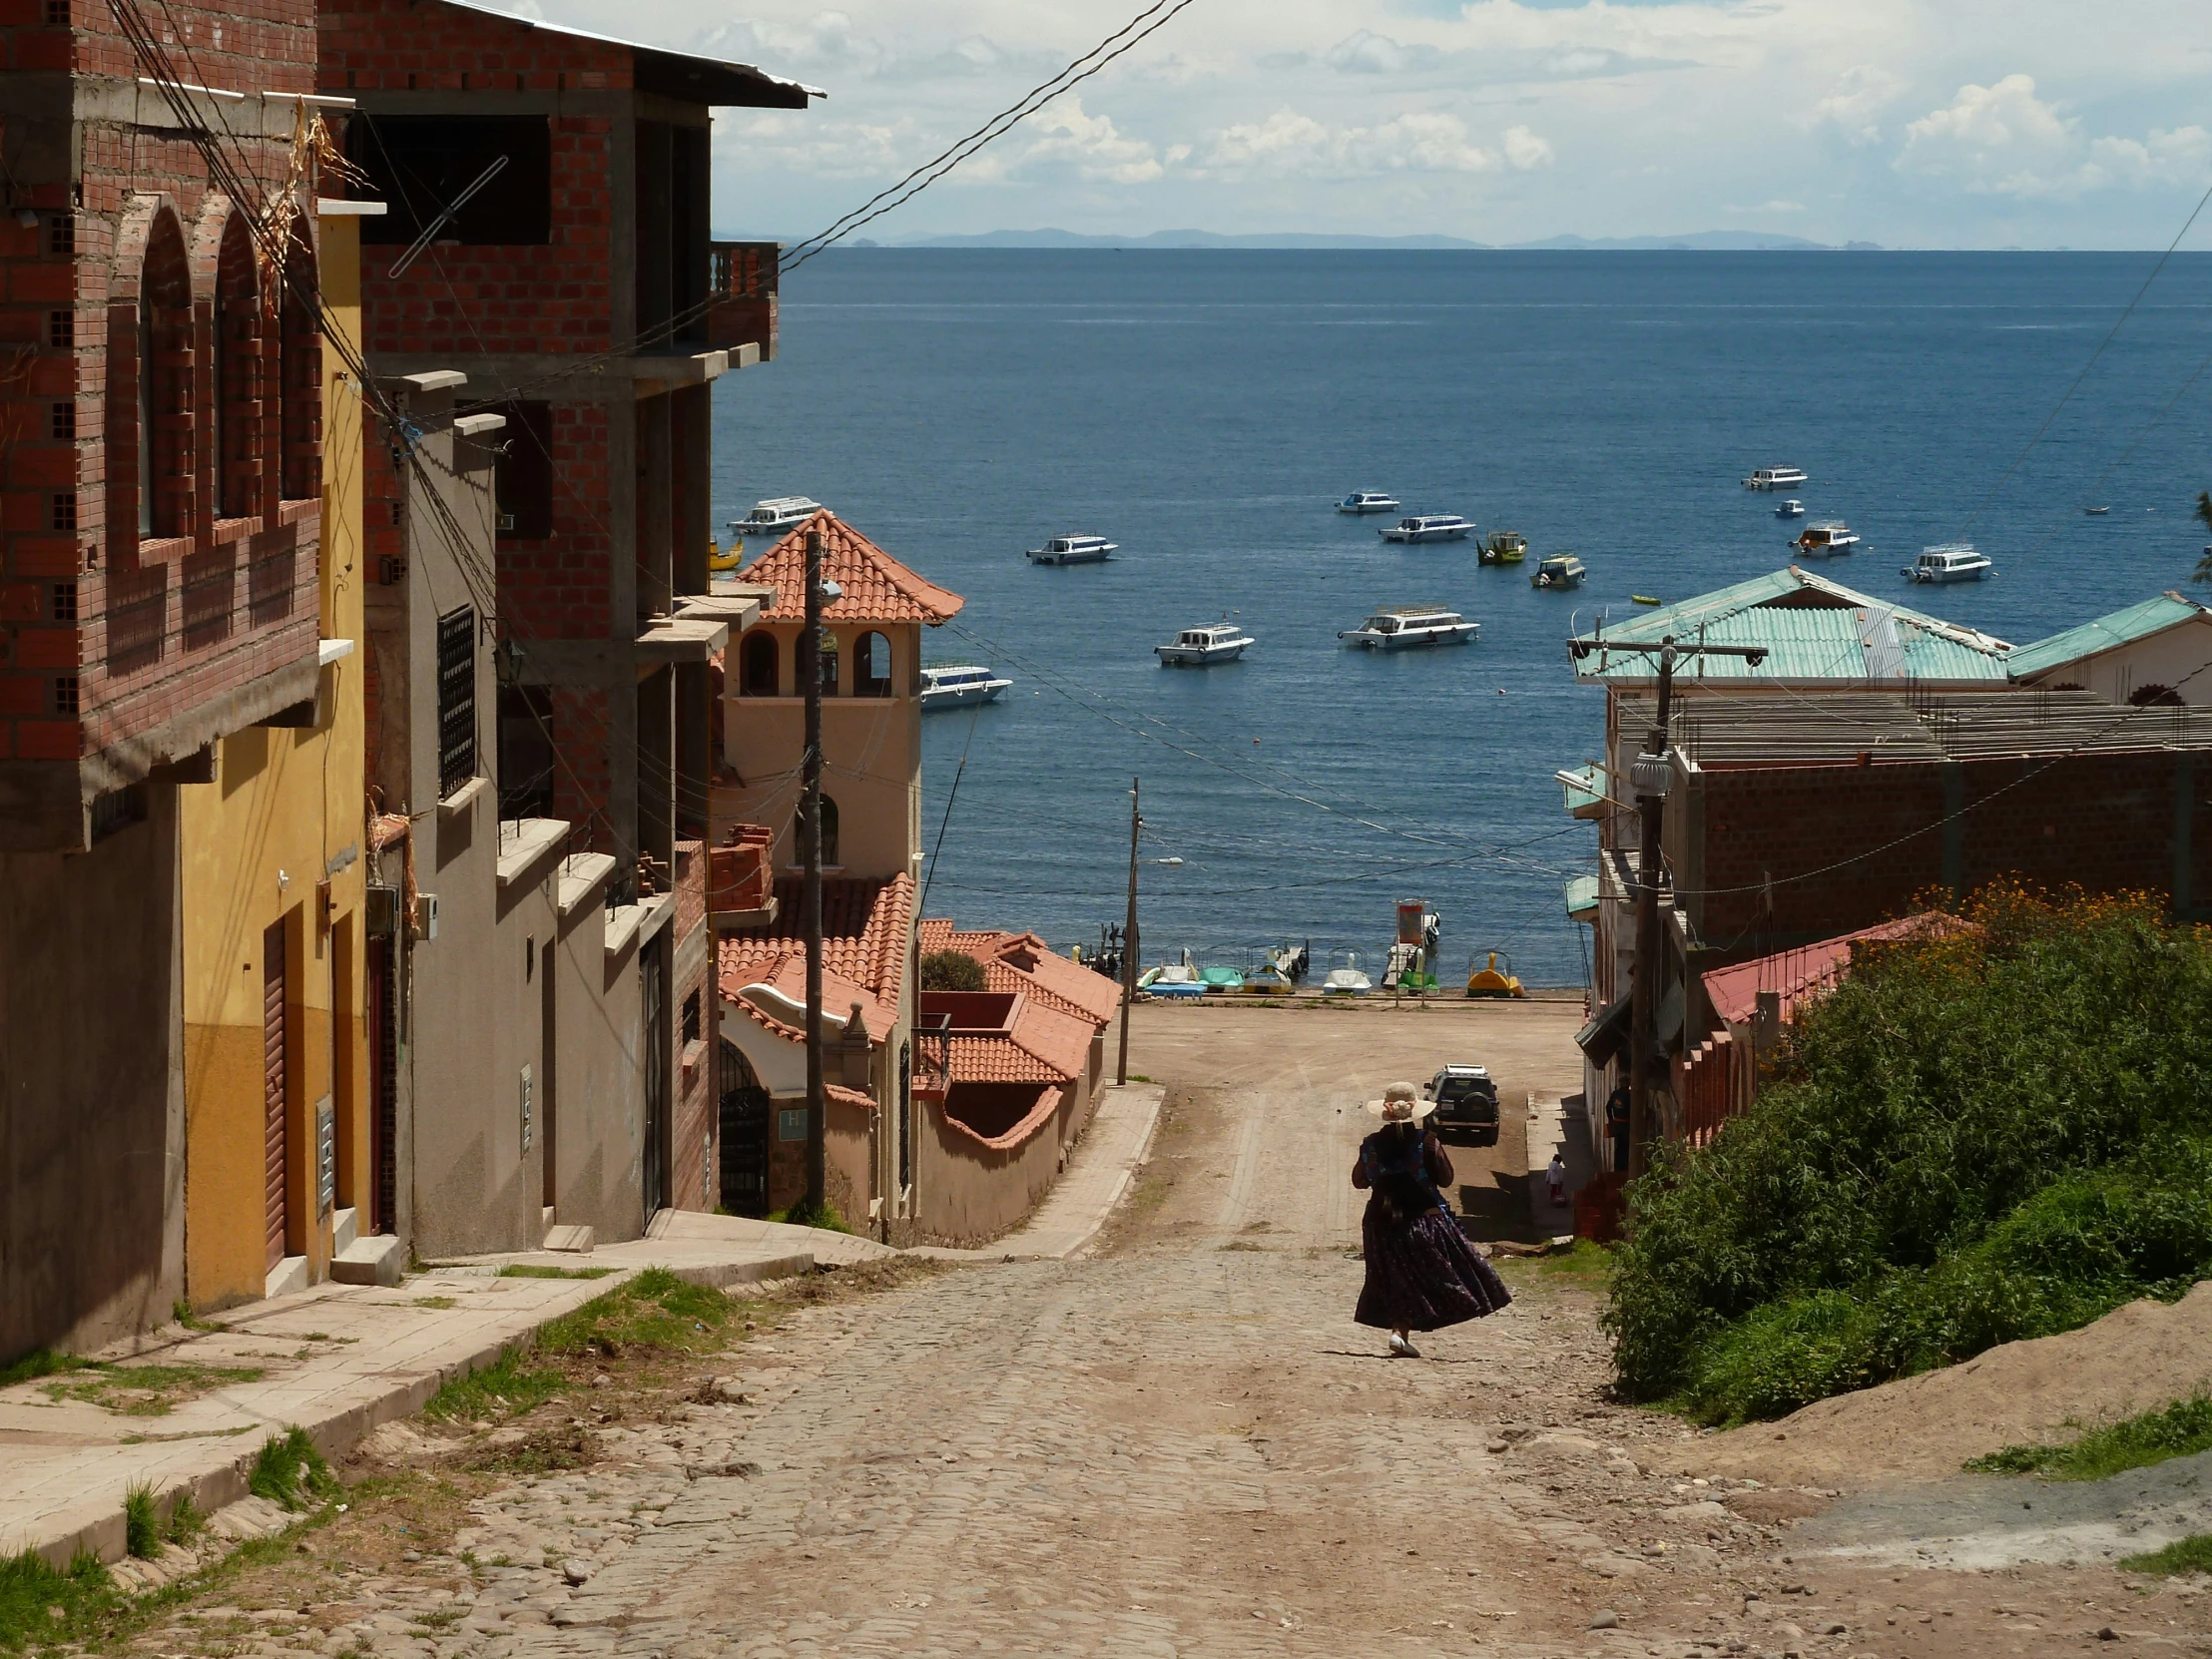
x,y
457,698
65,601
61,328
62,424
691,1025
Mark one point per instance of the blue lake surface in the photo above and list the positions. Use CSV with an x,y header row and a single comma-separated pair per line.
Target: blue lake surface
x,y
1206,408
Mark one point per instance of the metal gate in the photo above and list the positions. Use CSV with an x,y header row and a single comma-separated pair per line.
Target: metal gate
x,y
273,1089
745,1116
654,964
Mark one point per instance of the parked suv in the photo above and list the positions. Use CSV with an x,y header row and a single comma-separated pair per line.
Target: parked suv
x,y
1466,1103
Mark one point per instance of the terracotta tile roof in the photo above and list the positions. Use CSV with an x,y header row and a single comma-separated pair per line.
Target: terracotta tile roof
x,y
847,1097
990,1059
1034,967
1039,1114
1802,973
877,588
785,970
863,933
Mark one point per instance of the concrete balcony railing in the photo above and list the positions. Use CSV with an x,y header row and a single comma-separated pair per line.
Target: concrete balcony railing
x,y
741,293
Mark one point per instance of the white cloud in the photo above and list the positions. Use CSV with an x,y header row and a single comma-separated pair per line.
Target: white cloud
x,y
1366,53
1091,143
1526,150
1862,93
2003,140
1288,141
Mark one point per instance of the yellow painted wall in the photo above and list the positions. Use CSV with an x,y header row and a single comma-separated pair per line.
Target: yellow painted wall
x,y
284,814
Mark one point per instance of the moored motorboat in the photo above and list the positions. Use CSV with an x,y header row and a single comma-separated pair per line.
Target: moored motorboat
x,y
1559,570
1221,642
957,685
1646,599
2097,512
1071,550
1368,501
1775,478
1405,625
1792,508
1826,541
1503,547
1956,561
1428,527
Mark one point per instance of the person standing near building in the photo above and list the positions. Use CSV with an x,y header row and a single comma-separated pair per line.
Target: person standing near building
x,y
1616,1125
1421,1273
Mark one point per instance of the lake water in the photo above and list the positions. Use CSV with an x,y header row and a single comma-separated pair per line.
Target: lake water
x,y
1205,409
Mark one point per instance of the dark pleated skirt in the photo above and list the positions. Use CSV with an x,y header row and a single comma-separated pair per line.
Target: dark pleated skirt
x,y
1424,1275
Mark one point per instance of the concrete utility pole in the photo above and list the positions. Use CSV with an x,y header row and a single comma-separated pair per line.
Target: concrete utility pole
x,y
808,666
1129,941
1649,777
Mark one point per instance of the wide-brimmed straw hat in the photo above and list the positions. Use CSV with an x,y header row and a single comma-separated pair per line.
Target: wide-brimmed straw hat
x,y
1400,1103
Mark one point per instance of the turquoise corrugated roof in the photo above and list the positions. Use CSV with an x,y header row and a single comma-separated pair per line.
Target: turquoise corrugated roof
x,y
1586,792
1852,637
2103,633
1581,894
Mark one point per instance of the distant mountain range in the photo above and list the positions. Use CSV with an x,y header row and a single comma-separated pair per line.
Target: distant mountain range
x,y
1700,240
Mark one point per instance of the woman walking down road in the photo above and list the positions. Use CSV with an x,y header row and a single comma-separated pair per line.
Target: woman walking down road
x,y
1423,1275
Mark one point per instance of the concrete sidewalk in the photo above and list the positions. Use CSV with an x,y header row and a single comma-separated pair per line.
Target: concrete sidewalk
x,y
335,1359
340,1359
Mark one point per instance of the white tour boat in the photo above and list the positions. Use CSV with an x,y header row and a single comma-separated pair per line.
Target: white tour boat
x,y
1429,527
774,517
1223,641
1072,550
1823,541
1775,478
1405,625
957,685
1792,508
1368,501
1950,561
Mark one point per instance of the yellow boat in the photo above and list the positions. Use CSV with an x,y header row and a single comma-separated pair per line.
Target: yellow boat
x,y
1504,547
1492,981
1646,599
719,560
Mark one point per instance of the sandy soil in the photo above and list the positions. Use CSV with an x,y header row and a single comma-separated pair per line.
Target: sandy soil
x,y
2135,1359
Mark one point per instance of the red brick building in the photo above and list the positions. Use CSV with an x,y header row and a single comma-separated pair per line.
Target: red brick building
x,y
160,548
547,237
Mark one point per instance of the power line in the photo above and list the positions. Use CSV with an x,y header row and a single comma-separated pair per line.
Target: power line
x,y
2076,385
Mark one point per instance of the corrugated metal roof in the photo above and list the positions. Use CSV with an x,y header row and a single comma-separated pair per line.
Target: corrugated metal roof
x,y
1713,732
1581,894
1815,631
2104,633
685,75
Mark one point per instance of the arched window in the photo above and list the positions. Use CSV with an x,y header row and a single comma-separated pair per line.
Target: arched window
x,y
829,832
872,666
759,673
164,400
298,381
235,425
825,653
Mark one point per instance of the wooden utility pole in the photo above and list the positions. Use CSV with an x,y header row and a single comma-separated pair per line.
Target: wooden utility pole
x,y
1649,777
808,667
1129,941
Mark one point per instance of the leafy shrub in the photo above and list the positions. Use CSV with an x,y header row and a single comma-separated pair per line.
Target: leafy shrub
x,y
951,970
1997,1133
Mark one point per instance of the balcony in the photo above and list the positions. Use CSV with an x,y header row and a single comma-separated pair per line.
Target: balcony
x,y
741,295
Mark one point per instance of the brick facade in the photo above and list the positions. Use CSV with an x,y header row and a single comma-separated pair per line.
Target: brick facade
x,y
111,634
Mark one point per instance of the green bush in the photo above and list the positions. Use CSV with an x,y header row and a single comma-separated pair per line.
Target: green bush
x,y
1997,1133
951,970
142,1527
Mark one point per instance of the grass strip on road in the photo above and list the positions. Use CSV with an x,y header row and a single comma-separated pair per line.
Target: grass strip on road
x,y
2181,1429
2190,1554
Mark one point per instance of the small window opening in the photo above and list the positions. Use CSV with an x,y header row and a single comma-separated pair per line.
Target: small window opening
x,y
760,671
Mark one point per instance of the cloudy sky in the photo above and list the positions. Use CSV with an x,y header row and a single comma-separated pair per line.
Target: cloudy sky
x,y
1911,122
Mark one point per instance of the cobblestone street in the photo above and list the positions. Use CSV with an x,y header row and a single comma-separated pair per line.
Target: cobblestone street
x,y
1178,1445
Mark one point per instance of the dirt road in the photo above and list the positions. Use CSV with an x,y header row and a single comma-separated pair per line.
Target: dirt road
x,y
1177,1445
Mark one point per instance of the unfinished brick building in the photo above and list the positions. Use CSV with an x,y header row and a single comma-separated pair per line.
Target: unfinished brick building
x,y
556,183
161,543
